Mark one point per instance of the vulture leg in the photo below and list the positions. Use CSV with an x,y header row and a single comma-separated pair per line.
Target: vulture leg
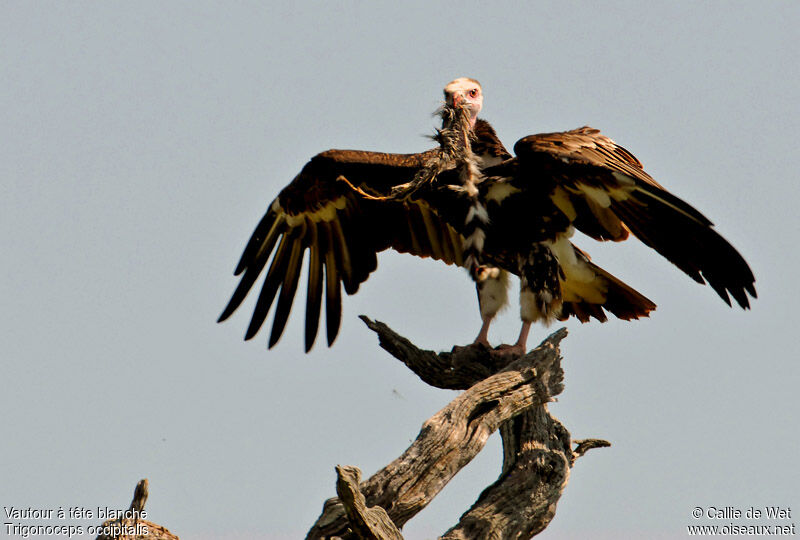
x,y
539,295
520,347
492,286
483,335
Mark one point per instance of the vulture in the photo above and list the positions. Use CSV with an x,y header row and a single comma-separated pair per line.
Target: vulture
x,y
471,203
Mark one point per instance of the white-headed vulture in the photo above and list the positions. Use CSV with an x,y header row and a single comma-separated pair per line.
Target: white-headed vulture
x,y
470,203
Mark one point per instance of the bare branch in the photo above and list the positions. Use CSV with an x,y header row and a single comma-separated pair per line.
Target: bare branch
x,y
458,369
584,445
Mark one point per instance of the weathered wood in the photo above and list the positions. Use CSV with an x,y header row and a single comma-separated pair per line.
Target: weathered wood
x,y
367,523
536,466
454,435
134,528
584,445
458,369
140,494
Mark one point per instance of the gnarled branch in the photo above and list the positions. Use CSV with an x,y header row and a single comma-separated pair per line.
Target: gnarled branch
x,y
503,393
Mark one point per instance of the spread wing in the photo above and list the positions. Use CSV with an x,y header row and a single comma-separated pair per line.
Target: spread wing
x,y
341,231
604,191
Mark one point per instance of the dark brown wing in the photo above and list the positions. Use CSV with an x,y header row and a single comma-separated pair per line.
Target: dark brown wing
x,y
604,191
342,233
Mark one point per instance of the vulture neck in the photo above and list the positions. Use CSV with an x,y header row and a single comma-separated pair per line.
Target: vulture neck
x,y
456,134
456,138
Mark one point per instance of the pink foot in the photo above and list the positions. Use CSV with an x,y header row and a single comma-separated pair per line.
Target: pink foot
x,y
510,350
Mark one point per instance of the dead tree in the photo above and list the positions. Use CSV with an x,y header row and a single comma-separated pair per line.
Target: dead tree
x,y
501,392
131,525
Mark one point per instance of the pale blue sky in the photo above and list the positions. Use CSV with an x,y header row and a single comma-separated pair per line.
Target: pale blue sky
x,y
142,142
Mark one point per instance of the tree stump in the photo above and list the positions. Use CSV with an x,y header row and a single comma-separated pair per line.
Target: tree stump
x,y
501,392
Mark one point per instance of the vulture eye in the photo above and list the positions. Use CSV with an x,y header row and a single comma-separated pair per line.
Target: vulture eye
x,y
473,93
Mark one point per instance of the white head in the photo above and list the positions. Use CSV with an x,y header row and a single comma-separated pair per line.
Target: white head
x,y
466,91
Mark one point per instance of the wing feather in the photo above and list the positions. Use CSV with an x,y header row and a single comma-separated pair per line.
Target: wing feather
x,y
605,192
432,233
255,258
288,288
342,253
262,241
333,296
271,283
314,295
342,231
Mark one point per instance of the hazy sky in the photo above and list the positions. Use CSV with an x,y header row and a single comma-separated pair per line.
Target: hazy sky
x,y
142,142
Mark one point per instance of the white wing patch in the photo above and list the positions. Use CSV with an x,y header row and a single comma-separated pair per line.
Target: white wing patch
x,y
500,190
561,199
326,212
487,160
580,283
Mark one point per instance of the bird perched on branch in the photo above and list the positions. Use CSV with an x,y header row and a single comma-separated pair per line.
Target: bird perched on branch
x,y
469,202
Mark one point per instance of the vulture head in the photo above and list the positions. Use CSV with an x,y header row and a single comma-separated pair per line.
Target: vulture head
x,y
465,92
